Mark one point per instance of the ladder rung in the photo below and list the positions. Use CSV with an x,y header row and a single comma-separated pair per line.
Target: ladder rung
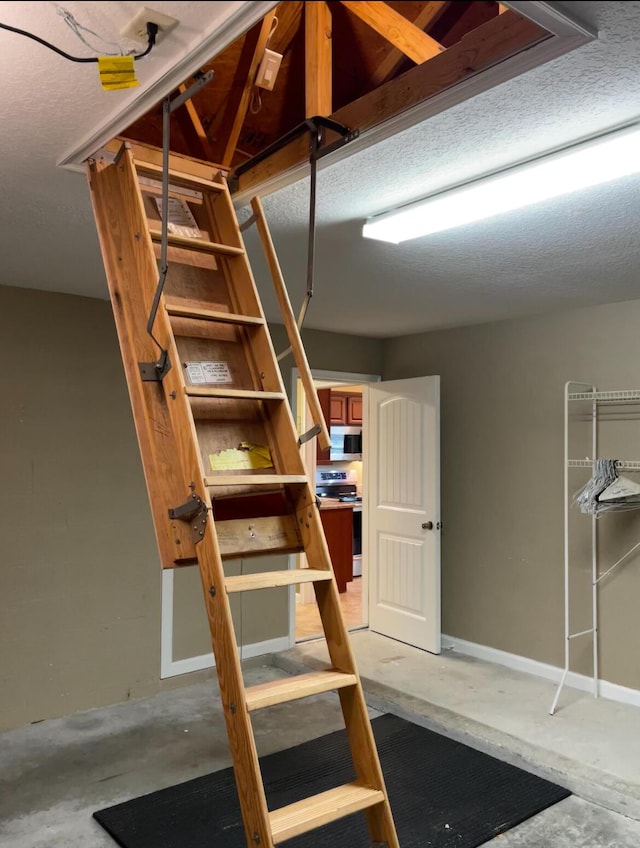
x,y
239,394
326,807
273,579
198,183
199,245
300,686
213,315
254,479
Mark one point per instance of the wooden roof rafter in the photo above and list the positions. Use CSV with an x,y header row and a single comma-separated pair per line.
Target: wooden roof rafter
x,y
192,129
425,18
400,32
237,105
289,16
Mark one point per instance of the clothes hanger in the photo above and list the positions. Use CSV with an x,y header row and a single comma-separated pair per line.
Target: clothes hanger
x,y
621,489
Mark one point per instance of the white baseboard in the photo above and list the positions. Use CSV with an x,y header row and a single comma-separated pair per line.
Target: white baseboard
x,y
612,691
172,668
269,646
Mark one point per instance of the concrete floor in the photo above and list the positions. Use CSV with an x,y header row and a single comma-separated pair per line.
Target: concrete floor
x,y
54,774
592,746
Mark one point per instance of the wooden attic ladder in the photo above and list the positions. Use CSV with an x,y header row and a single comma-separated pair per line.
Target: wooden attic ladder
x,y
203,510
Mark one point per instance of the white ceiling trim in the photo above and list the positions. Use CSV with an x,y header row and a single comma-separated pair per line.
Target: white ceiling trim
x,y
569,34
553,19
212,44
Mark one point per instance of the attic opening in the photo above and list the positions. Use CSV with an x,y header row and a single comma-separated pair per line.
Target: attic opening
x,y
369,66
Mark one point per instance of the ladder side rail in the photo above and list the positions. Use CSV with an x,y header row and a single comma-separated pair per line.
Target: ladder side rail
x,y
155,436
362,744
293,332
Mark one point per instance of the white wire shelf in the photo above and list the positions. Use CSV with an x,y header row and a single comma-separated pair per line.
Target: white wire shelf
x,y
625,396
595,415
621,464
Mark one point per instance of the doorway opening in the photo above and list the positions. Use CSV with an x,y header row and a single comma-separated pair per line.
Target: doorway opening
x,y
340,480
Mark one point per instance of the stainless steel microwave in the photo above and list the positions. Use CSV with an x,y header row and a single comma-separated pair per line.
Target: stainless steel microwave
x,y
346,443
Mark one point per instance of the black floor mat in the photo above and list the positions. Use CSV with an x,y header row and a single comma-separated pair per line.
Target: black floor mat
x,y
443,795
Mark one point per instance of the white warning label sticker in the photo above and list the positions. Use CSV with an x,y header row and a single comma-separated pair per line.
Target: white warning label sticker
x,y
207,372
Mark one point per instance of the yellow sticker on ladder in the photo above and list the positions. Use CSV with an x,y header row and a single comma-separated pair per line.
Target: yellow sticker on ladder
x,y
244,456
117,72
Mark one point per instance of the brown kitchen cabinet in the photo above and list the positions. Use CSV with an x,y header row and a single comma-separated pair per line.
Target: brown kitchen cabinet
x,y
344,407
338,408
354,409
338,529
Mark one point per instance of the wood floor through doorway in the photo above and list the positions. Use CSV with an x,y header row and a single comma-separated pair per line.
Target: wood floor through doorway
x,y
308,619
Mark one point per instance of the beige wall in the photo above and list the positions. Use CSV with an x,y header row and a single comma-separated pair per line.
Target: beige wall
x,y
502,480
331,352
79,587
80,583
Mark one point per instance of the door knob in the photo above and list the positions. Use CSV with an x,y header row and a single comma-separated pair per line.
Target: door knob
x,y
428,525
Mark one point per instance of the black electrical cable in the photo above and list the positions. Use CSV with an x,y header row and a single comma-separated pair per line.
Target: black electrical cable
x,y
152,31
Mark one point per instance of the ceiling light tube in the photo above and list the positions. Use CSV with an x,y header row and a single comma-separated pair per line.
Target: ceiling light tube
x,y
591,163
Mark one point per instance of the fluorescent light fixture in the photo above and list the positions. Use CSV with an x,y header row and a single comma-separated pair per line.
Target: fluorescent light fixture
x,y
591,163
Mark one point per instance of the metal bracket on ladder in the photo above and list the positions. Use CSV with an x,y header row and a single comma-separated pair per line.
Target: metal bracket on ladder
x,y
248,223
107,156
310,434
155,372
194,511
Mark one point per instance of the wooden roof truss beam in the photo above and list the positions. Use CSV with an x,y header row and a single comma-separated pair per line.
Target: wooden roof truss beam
x,y
404,35
192,129
317,44
237,105
426,17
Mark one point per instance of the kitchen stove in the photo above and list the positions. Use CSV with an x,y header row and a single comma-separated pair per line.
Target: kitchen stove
x,y
344,493
334,485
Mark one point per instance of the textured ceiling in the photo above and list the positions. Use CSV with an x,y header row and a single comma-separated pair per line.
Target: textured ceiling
x,y
578,250
47,107
584,249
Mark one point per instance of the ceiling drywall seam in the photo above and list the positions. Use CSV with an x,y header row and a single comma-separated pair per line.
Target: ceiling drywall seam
x,y
213,42
569,33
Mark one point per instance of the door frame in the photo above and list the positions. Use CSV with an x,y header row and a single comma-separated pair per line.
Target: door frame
x,y
344,378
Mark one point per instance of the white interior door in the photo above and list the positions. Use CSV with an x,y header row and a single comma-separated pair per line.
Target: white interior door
x,y
402,538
